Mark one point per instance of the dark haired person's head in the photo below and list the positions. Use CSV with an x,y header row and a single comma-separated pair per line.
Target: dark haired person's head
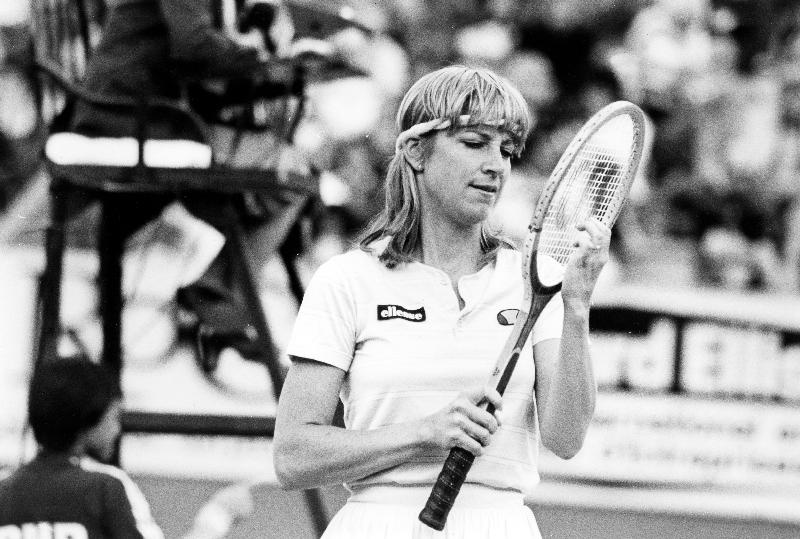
x,y
69,399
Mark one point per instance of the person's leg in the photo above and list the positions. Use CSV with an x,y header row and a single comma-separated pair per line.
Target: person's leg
x,y
215,298
212,306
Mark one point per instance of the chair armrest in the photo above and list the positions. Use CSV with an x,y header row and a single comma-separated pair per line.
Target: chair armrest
x,y
75,90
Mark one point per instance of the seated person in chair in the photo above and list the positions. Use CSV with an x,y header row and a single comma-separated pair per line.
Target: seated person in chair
x,y
145,44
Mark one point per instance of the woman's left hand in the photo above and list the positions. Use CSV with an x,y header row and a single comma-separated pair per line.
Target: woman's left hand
x,y
586,262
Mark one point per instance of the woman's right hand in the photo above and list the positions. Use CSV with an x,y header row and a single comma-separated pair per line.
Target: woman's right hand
x,y
463,423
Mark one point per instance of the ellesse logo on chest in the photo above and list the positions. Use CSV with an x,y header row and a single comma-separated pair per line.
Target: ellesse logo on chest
x,y
389,312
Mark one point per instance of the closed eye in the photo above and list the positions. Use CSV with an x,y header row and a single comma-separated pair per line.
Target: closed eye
x,y
479,140
474,143
507,151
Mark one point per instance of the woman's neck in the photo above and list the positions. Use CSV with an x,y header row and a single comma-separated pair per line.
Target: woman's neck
x,y
454,250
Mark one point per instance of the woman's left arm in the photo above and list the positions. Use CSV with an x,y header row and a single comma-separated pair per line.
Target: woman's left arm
x,y
565,385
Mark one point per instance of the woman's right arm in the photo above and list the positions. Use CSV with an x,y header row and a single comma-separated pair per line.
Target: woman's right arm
x,y
310,452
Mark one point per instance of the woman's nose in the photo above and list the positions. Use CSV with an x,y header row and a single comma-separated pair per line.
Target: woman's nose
x,y
494,162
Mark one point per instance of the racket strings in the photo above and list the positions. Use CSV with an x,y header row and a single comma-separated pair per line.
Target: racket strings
x,y
606,176
590,187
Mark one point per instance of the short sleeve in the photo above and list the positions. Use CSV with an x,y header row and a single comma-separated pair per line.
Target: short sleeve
x,y
326,325
551,322
126,511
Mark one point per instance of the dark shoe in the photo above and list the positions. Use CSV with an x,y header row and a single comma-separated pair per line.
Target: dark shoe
x,y
213,321
209,342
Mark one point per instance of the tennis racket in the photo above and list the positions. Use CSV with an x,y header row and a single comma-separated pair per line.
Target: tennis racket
x,y
591,180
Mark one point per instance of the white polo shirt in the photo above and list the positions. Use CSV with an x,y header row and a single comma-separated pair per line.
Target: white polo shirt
x,y
408,351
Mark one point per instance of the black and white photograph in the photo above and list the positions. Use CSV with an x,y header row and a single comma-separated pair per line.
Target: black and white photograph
x,y
399,269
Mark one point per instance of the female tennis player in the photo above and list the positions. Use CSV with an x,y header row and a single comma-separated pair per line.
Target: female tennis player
x,y
406,330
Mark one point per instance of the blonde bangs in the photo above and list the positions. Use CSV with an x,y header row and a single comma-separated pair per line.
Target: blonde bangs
x,y
453,92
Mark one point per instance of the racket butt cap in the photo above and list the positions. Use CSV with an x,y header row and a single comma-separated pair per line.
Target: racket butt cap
x,y
433,520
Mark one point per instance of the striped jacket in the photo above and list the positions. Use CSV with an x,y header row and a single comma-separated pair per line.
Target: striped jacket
x,y
58,496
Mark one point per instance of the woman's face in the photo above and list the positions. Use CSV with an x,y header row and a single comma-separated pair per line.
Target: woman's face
x,y
464,173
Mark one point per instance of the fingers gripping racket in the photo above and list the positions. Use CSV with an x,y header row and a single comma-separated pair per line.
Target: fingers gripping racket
x,y
591,180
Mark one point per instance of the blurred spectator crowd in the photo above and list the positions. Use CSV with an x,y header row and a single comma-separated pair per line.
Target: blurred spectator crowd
x,y
718,201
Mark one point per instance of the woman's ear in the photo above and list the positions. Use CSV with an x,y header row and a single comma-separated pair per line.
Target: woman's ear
x,y
414,153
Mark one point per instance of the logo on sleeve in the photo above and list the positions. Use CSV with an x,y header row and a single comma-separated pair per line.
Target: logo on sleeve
x,y
507,317
388,312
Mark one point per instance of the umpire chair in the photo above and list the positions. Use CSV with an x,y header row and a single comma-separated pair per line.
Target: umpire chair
x,y
64,33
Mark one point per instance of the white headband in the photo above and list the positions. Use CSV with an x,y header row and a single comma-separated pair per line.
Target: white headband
x,y
421,129
432,125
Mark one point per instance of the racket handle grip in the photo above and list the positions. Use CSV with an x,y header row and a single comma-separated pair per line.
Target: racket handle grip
x,y
444,492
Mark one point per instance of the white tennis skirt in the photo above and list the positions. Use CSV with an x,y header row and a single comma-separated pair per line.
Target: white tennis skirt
x,y
392,512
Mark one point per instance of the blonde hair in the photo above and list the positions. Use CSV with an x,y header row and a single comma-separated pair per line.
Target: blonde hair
x,y
448,94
